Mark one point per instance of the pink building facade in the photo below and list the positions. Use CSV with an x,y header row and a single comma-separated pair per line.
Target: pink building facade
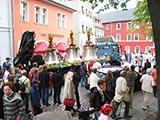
x,y
42,17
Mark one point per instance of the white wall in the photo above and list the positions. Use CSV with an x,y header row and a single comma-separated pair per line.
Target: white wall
x,y
6,49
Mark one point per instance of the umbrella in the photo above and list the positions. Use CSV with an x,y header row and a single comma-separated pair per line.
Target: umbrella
x,y
61,47
40,48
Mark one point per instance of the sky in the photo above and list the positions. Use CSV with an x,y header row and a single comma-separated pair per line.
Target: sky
x,y
130,4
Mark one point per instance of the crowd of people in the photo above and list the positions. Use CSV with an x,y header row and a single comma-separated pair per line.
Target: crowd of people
x,y
109,90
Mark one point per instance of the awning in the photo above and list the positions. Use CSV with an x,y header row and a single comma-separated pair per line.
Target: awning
x,y
40,48
61,47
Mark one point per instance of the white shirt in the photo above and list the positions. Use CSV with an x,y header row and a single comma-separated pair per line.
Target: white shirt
x,y
93,80
147,83
5,76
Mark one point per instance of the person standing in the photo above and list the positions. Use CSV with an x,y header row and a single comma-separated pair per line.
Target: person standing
x,y
98,97
25,94
32,71
57,79
1,100
121,95
154,75
93,79
6,73
50,83
35,98
6,63
147,82
13,105
83,73
147,65
69,89
76,80
110,84
131,76
44,85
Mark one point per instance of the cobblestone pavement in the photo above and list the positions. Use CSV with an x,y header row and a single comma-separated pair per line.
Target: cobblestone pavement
x,y
136,111
84,100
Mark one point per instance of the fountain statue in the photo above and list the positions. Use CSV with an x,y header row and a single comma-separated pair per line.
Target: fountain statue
x,y
89,49
50,57
73,51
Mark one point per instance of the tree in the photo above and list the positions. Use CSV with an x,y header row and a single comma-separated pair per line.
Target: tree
x,y
153,8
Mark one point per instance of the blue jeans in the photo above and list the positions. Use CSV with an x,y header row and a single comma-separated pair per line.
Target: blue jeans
x,y
45,95
83,79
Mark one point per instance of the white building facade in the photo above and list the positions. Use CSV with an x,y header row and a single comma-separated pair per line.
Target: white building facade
x,y
83,20
6,30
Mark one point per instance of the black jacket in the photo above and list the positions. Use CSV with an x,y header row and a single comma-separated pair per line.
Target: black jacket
x,y
44,79
96,99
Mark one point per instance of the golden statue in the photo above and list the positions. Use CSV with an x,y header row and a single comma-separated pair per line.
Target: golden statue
x,y
50,40
88,35
71,38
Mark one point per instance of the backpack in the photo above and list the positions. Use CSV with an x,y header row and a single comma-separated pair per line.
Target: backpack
x,y
22,86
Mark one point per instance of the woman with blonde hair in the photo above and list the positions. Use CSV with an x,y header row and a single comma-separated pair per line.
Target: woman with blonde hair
x,y
69,89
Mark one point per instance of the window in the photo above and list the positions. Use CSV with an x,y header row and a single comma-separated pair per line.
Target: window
x,y
147,49
82,9
148,38
44,16
106,47
37,14
23,11
127,49
86,28
129,25
118,26
137,49
63,21
118,37
107,26
129,37
58,19
86,12
83,28
136,37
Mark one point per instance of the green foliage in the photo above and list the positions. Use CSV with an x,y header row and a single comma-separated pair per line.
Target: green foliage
x,y
141,17
108,4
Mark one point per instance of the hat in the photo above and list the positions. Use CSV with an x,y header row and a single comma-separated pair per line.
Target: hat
x,y
35,81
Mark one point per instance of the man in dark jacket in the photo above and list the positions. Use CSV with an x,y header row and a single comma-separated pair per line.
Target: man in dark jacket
x,y
83,73
35,97
98,97
44,85
57,79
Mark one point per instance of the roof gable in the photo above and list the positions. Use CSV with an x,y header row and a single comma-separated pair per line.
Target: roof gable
x,y
117,16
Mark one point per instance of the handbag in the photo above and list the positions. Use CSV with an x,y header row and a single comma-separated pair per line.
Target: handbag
x,y
69,102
